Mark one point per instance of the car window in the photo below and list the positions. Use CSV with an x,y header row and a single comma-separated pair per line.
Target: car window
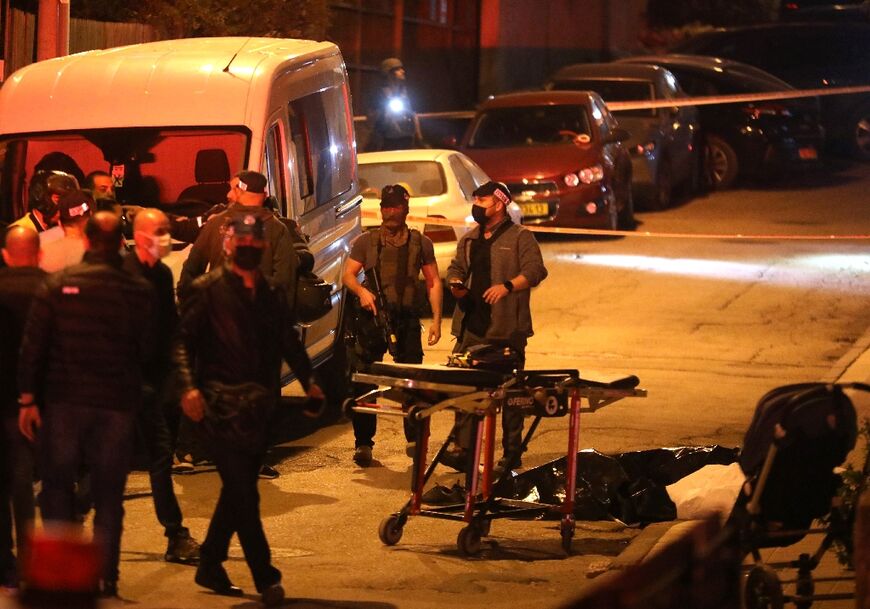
x,y
529,126
615,90
420,178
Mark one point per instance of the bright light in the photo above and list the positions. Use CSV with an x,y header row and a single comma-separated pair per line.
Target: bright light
x,y
589,175
799,271
333,149
396,105
571,180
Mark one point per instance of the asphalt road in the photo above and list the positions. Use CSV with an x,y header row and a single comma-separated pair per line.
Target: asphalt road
x,y
707,325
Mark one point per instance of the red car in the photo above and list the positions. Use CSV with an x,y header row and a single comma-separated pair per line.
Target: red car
x,y
561,153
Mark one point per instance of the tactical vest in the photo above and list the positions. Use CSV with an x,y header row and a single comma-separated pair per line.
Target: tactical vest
x,y
396,277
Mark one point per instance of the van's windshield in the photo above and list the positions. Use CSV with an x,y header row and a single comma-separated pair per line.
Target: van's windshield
x,y
179,169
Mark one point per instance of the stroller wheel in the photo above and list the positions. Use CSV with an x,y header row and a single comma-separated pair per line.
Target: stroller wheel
x,y
763,589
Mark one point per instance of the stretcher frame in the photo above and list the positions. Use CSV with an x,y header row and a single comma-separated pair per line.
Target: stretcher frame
x,y
552,393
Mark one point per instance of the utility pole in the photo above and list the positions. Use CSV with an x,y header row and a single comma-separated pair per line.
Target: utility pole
x,y
52,29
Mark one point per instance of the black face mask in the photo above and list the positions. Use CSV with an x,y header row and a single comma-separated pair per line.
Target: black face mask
x,y
248,257
479,214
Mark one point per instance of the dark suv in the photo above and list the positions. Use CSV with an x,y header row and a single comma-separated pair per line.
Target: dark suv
x,y
807,56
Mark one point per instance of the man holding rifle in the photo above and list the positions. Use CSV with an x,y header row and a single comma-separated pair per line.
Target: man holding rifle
x,y
389,302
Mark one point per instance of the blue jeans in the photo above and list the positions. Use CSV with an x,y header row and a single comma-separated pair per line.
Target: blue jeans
x,y
102,439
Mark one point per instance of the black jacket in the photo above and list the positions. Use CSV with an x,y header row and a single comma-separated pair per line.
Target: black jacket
x,y
225,335
87,335
165,315
17,287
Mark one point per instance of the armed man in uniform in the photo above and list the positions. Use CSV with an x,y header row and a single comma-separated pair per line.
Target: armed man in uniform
x,y
396,254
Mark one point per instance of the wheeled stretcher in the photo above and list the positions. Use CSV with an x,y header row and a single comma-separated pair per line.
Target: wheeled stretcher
x,y
481,395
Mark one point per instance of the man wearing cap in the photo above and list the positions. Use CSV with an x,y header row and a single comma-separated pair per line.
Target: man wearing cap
x,y
75,207
19,281
246,197
397,254
86,338
496,265
235,329
152,244
391,118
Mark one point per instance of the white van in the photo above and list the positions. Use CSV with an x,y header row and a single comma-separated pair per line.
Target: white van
x,y
172,121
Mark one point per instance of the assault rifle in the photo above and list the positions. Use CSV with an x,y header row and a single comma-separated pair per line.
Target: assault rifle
x,y
383,319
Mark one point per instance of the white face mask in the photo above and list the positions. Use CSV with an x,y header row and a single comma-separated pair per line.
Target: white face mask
x,y
161,245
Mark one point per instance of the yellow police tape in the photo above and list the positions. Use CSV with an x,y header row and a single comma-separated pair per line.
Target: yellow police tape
x,y
702,100
624,233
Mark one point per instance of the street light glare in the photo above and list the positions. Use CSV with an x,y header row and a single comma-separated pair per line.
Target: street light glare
x,y
798,271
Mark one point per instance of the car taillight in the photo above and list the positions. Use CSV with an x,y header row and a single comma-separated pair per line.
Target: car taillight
x,y
766,109
439,233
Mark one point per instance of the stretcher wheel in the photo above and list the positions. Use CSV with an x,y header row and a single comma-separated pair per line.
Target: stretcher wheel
x,y
763,589
390,531
483,526
566,528
468,541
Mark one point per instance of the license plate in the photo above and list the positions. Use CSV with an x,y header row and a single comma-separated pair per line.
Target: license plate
x,y
535,210
808,153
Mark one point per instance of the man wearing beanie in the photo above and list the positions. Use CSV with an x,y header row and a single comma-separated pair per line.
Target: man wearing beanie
x,y
497,263
397,254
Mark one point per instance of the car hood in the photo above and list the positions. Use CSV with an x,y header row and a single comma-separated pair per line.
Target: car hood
x,y
514,164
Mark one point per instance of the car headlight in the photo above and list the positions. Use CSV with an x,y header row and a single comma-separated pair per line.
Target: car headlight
x,y
571,180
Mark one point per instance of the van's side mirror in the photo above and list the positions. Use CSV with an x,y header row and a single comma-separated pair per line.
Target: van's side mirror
x,y
617,135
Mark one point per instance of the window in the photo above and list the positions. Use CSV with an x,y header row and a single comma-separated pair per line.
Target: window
x,y
323,144
420,178
272,165
615,90
529,126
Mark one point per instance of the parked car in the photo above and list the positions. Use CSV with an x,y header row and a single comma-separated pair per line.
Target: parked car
x,y
807,56
663,141
440,183
806,10
561,154
749,138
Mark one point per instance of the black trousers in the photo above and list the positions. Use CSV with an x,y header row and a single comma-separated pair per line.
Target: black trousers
x,y
511,420
238,511
158,440
103,439
16,495
410,343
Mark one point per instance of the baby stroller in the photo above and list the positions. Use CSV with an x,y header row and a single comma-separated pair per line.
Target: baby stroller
x,y
798,435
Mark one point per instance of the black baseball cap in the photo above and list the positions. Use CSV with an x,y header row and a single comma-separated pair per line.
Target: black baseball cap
x,y
494,189
75,204
252,181
246,225
394,195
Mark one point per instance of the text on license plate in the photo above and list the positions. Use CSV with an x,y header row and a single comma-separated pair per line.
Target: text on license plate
x,y
534,210
808,153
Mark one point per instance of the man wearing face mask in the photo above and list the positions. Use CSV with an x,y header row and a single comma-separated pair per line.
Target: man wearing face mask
x,y
235,329
152,243
398,254
496,265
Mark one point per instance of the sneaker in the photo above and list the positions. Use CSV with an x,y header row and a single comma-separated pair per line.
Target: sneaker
x,y
455,459
268,472
362,456
182,549
502,465
273,595
183,464
108,589
216,580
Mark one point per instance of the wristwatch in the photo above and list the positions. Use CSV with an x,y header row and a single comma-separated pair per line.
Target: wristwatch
x,y
508,286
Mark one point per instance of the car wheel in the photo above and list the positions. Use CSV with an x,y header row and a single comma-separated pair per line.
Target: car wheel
x,y
720,162
861,134
626,219
663,190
